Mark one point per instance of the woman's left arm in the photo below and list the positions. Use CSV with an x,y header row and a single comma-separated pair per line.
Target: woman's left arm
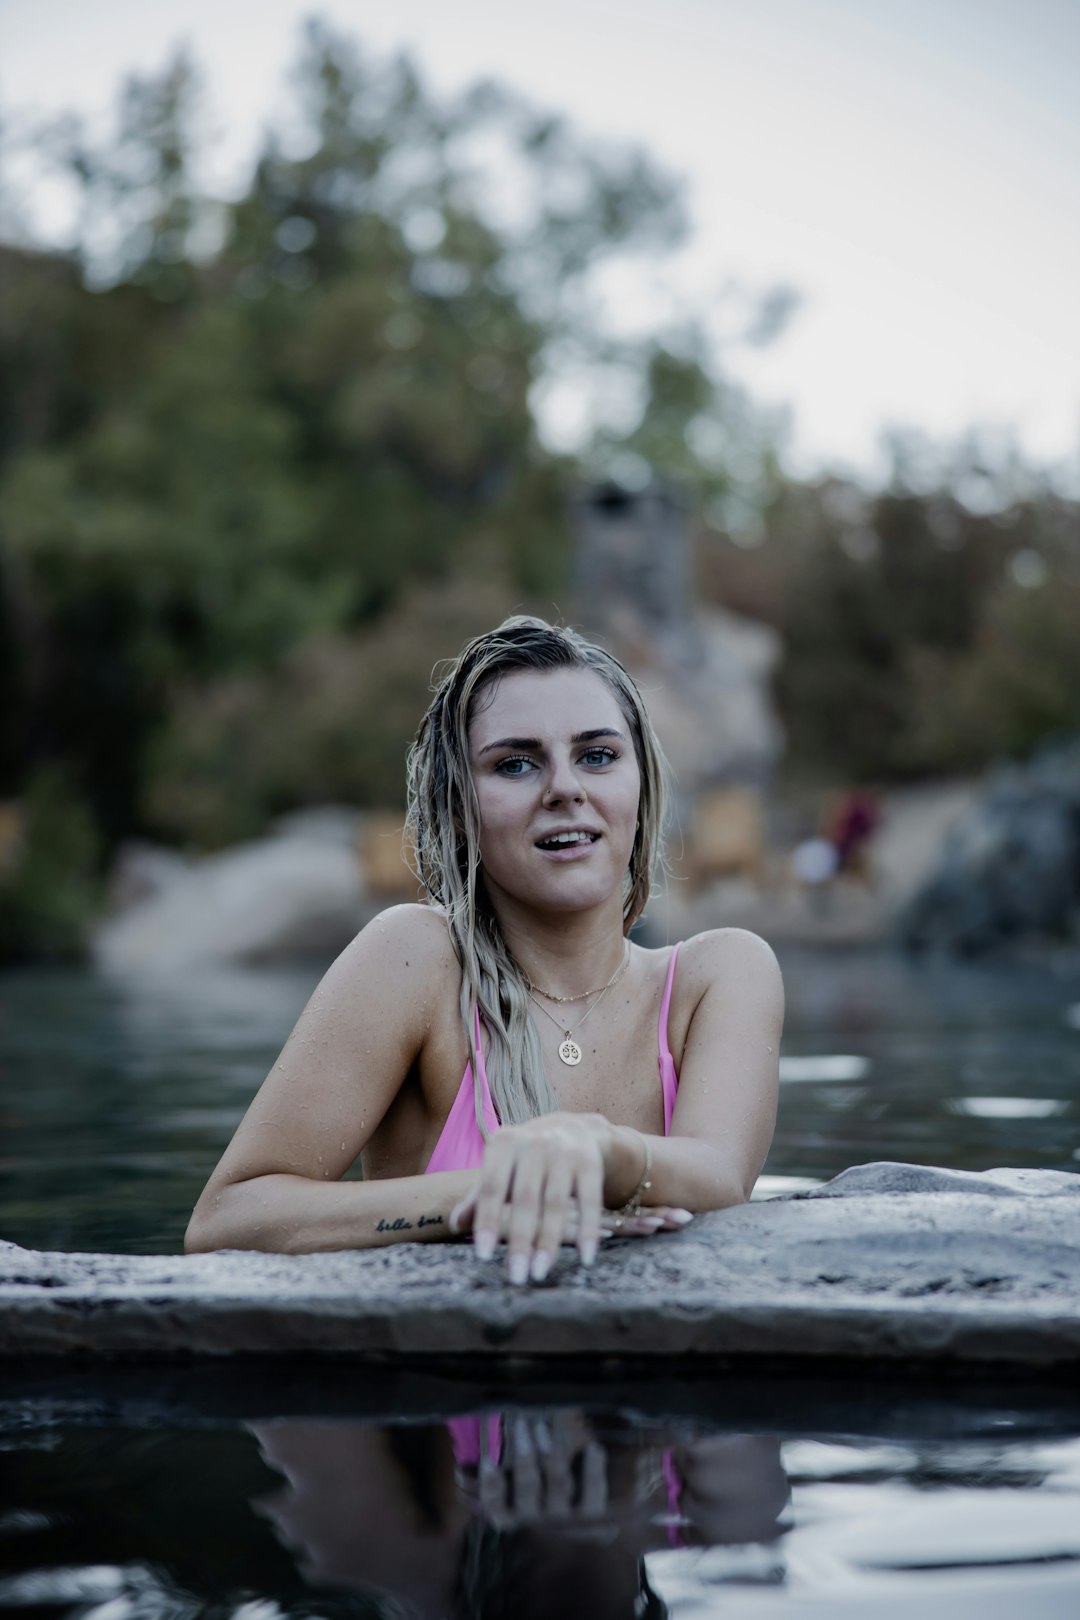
x,y
725,1112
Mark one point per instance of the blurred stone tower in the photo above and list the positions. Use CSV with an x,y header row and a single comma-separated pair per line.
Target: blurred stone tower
x,y
632,552
705,672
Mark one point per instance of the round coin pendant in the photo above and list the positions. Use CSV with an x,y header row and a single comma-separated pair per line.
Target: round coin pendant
x,y
570,1053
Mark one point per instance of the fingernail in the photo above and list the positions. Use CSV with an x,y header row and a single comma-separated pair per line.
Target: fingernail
x,y
588,1253
485,1245
518,1268
455,1216
541,1266
681,1217
649,1223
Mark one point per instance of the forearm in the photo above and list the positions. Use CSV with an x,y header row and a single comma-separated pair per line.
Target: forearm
x,y
685,1173
286,1214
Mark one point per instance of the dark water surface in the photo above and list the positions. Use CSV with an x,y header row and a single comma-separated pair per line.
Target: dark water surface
x,y
205,1492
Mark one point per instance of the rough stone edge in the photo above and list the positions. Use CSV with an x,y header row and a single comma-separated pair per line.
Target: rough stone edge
x,y
142,1306
691,1328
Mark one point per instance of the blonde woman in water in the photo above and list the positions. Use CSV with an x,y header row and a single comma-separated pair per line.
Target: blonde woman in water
x,y
506,1063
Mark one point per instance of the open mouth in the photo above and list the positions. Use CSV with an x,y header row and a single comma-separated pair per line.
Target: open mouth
x,y
567,840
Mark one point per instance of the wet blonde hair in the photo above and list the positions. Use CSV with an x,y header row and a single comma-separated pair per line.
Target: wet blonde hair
x,y
444,825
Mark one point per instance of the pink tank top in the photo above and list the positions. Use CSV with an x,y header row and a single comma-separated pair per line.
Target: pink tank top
x,y
461,1146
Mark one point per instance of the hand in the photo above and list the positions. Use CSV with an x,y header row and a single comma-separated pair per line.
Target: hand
x,y
552,1469
541,1185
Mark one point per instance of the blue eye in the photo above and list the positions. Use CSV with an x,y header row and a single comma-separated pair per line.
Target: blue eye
x,y
506,767
599,756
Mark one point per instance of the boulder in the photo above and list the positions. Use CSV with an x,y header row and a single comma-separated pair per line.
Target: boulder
x,y
1009,870
887,1263
295,894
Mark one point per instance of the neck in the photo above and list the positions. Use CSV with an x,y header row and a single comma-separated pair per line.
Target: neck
x,y
564,953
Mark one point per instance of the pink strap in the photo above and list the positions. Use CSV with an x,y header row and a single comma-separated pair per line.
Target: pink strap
x,y
461,1145
669,1080
473,1438
673,1483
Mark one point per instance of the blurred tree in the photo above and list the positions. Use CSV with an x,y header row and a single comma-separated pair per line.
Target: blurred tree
x,y
236,442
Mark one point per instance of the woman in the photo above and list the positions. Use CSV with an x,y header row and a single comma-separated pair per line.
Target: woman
x,y
493,1057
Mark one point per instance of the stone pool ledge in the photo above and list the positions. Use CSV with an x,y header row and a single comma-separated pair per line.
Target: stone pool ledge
x,y
885,1263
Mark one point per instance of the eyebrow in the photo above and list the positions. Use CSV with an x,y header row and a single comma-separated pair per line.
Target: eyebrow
x,y
534,743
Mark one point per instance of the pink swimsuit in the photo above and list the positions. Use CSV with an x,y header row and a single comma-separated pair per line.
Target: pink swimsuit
x,y
461,1146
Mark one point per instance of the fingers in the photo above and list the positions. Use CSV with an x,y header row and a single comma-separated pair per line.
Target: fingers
x,y
590,1196
541,1185
462,1215
528,1186
657,1218
558,1212
496,1178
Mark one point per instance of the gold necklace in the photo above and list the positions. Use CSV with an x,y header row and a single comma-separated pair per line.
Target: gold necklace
x,y
569,1050
583,995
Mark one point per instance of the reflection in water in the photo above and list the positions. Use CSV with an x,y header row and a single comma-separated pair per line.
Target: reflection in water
x,y
127,1494
523,1514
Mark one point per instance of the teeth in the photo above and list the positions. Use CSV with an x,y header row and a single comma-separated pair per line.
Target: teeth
x,y
568,838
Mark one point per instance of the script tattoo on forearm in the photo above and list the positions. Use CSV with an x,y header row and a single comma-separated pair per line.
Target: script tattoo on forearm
x,y
402,1225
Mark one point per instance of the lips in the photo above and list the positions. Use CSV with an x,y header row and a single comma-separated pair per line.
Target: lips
x,y
568,838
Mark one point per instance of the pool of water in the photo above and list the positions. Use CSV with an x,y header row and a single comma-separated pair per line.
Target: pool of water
x,y
128,1495
116,1101
133,1494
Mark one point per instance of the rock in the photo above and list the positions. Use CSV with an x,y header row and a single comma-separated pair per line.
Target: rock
x,y
296,894
142,872
1010,868
886,1263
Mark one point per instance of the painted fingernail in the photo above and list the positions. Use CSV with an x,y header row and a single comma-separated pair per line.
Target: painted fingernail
x,y
518,1268
541,1265
485,1245
455,1216
588,1253
649,1223
681,1217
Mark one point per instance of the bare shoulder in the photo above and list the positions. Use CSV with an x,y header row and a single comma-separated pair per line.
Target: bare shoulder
x,y
404,956
731,963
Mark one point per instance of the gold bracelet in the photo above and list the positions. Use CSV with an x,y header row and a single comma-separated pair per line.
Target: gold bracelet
x,y
633,1203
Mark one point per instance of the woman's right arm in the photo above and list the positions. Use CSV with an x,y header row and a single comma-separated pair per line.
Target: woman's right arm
x,y
278,1185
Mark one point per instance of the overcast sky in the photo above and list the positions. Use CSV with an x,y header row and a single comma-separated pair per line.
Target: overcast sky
x,y
910,165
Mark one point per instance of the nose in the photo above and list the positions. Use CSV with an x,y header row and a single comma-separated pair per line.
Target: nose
x,y
564,785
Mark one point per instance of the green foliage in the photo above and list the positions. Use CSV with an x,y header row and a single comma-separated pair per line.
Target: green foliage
x,y
235,440
331,723
911,647
49,891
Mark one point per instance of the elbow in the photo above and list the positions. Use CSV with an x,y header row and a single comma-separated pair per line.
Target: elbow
x,y
199,1239
731,1186
209,1227
731,1191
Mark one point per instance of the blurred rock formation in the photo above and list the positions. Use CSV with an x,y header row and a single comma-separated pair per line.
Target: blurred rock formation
x,y
300,892
1009,870
705,672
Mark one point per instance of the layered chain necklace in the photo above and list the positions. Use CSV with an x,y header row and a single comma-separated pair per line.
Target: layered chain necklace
x,y
569,1050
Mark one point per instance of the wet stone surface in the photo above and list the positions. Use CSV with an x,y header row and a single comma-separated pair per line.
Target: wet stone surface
x,y
885,1262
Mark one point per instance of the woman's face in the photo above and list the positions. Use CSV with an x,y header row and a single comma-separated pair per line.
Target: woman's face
x,y
558,785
